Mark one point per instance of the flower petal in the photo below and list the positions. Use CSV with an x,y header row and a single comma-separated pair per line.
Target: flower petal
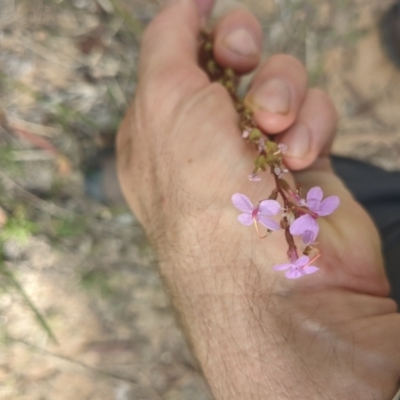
x,y
303,260
309,236
269,207
269,223
314,197
245,219
281,267
301,224
328,206
242,203
310,269
293,273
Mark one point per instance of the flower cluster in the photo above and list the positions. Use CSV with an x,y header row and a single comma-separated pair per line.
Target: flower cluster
x,y
302,212
299,216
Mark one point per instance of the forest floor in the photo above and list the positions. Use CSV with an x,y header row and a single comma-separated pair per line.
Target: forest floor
x,y
83,315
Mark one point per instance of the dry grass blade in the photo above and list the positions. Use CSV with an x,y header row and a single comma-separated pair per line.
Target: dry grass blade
x,y
135,26
77,362
35,201
39,317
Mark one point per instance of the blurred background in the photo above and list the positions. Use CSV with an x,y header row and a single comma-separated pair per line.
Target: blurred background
x,y
83,315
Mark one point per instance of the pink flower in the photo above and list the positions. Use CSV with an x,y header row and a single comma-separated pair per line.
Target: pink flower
x,y
282,148
258,213
306,225
261,145
300,202
280,171
254,177
298,268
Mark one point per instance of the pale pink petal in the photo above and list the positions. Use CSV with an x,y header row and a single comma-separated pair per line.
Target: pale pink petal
x,y
282,147
269,223
310,269
261,145
301,202
328,206
281,267
245,219
242,203
314,197
309,236
254,178
293,274
302,224
269,207
303,260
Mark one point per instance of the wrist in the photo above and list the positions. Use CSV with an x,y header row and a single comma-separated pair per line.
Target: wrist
x,y
225,295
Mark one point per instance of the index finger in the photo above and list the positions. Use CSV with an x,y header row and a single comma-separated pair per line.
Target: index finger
x,y
170,43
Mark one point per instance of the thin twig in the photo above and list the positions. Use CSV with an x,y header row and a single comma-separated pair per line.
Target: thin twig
x,y
40,318
37,202
76,362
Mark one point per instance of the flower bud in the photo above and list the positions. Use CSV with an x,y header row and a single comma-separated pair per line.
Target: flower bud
x,y
261,162
208,46
212,66
271,147
229,73
255,135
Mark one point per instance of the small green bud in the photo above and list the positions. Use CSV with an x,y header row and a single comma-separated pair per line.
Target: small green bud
x,y
248,112
229,85
229,73
208,46
212,66
271,147
261,162
255,135
271,160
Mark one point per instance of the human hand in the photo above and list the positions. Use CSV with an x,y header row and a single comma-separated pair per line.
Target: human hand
x,y
181,157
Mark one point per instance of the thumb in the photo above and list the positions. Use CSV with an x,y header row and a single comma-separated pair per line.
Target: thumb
x,y
171,38
204,7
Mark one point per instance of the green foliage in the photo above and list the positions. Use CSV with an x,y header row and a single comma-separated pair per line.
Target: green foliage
x,y
70,227
134,25
67,116
97,281
18,228
5,272
8,162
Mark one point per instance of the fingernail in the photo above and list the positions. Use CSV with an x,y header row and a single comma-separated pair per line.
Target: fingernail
x,y
241,42
204,7
273,96
299,145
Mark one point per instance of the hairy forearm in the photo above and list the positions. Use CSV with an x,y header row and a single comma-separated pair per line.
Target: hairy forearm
x,y
256,336
225,297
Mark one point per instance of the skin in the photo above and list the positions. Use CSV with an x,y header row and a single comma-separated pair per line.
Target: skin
x,y
256,335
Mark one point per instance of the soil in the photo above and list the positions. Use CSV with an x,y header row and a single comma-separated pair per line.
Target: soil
x,y
67,75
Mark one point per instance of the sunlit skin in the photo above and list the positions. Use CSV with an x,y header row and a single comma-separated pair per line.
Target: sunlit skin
x,y
256,335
